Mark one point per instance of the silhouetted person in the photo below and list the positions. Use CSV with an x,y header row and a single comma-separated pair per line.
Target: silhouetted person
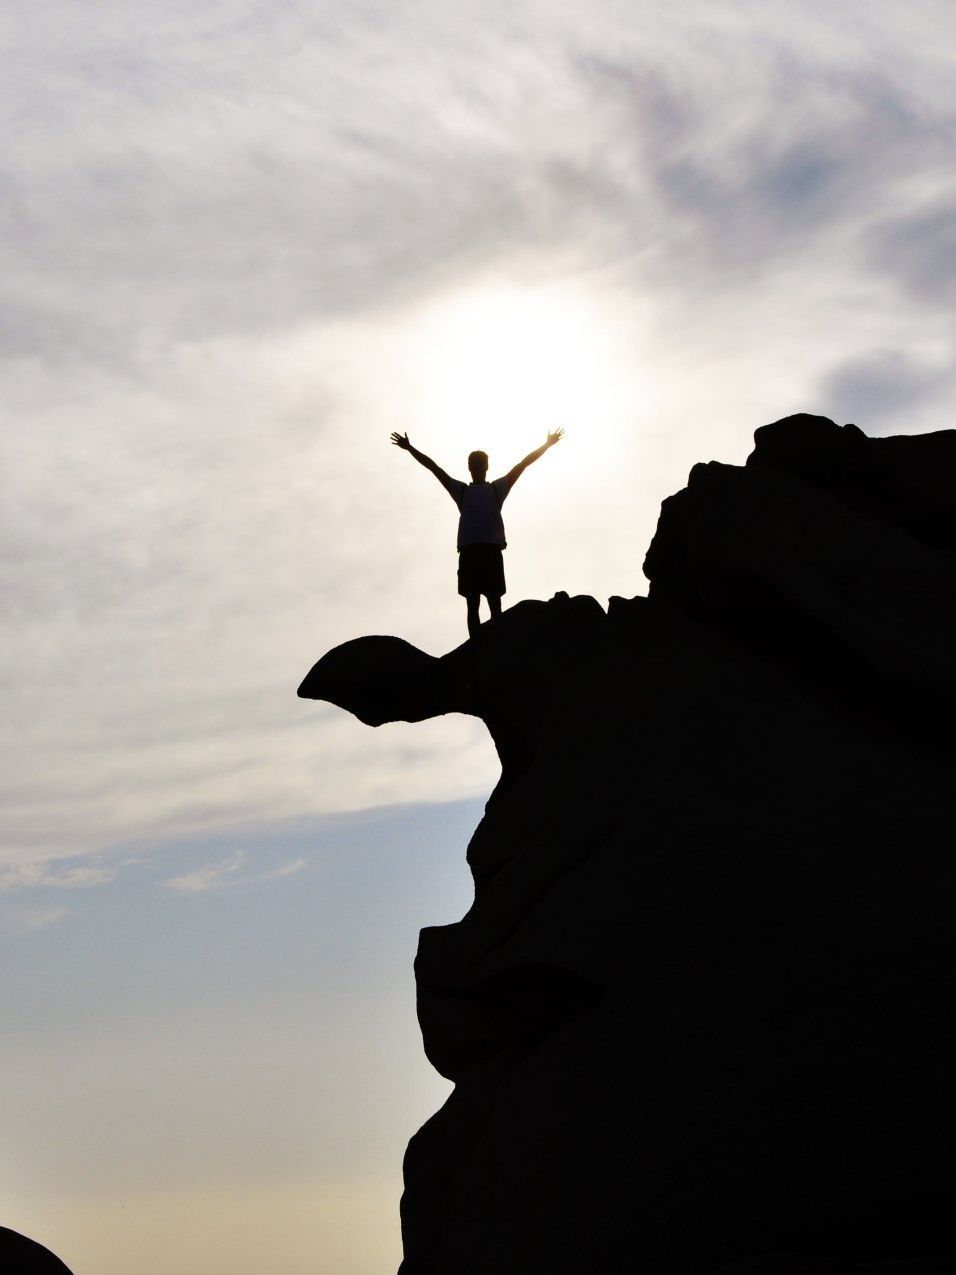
x,y
481,531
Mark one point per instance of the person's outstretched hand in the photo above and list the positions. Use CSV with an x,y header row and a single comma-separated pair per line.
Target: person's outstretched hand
x,y
401,440
555,437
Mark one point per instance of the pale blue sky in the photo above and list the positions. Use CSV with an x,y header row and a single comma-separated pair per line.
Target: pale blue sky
x,y
229,1016
243,243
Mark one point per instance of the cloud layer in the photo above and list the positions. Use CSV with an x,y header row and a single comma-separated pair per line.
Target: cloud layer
x,y
228,230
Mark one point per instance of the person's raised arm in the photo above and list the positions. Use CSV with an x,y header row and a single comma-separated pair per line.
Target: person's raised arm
x,y
451,486
513,475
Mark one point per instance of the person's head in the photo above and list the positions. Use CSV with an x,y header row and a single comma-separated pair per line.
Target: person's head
x,y
478,466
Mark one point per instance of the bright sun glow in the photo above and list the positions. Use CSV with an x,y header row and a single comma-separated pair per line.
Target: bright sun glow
x,y
496,369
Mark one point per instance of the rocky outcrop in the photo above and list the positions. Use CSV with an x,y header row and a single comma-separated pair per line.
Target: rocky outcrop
x,y
699,1017
21,1256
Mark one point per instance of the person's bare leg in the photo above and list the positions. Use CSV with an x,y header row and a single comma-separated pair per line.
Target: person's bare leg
x,y
494,605
474,623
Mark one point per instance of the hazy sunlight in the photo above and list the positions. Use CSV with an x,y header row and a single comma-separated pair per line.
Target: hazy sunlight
x,y
498,368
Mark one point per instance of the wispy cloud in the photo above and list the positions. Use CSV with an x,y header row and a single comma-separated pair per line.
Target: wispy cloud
x,y
284,870
27,920
211,876
53,875
230,872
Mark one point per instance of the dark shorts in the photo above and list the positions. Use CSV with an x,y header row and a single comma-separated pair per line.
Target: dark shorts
x,y
481,569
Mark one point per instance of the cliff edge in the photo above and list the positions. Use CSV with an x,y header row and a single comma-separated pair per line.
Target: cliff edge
x,y
699,1016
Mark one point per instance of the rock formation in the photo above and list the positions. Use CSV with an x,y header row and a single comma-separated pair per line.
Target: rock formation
x,y
700,1015
20,1256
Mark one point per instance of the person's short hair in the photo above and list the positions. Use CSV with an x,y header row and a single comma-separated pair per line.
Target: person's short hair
x,y
478,464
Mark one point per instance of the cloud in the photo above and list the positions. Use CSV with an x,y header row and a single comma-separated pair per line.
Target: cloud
x,y
259,191
760,193
50,875
284,870
28,920
210,877
255,191
884,386
229,872
918,251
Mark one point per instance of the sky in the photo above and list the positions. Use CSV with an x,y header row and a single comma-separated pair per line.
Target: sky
x,y
243,243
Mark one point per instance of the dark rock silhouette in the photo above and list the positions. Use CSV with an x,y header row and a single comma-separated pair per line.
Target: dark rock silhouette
x,y
20,1256
700,1015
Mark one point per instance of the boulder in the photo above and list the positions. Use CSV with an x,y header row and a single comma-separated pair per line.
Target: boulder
x,y
22,1256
